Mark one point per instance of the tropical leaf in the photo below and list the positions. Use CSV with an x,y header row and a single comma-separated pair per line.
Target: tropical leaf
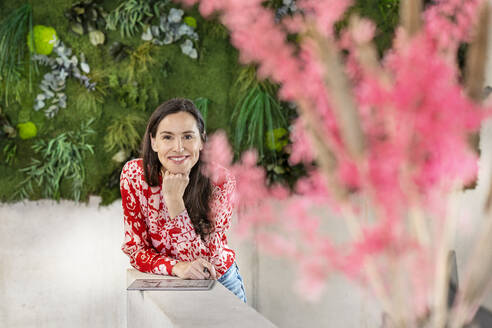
x,y
242,111
13,32
256,113
202,104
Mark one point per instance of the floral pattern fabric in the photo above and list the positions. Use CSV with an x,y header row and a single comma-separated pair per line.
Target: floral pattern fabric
x,y
155,242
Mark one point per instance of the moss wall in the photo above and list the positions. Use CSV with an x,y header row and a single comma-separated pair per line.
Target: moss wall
x,y
171,74
168,74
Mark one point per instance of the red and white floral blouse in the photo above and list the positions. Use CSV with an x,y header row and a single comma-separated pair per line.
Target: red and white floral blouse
x,y
155,242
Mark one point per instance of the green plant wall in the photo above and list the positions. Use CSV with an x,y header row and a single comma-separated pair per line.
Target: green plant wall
x,y
127,91
170,74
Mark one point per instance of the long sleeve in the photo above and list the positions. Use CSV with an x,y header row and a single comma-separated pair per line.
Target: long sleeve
x,y
137,245
214,247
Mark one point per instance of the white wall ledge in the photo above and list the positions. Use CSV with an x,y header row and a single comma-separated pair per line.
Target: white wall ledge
x,y
215,308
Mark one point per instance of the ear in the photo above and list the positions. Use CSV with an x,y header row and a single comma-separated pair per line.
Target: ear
x,y
153,144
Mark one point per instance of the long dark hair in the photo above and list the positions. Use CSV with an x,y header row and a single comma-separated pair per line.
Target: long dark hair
x,y
197,194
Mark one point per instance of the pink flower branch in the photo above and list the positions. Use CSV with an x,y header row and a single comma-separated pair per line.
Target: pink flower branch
x,y
389,138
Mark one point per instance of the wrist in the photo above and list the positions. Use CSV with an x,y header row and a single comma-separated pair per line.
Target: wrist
x,y
174,269
177,268
173,199
175,208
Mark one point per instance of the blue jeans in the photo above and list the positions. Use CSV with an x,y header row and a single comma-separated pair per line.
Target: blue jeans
x,y
233,281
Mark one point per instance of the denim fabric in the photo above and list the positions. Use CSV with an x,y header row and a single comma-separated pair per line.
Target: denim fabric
x,y
233,281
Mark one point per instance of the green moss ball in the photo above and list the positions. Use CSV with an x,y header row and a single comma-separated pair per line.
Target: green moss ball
x,y
190,21
277,139
44,38
27,130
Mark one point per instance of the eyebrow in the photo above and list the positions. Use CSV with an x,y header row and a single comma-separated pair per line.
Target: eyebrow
x,y
169,132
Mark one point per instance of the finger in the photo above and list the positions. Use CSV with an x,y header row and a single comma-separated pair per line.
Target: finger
x,y
196,273
213,272
202,266
206,273
201,261
210,268
198,264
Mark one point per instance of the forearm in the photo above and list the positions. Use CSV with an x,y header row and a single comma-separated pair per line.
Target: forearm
x,y
146,259
175,206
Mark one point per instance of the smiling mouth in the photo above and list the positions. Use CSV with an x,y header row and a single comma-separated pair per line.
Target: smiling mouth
x,y
178,159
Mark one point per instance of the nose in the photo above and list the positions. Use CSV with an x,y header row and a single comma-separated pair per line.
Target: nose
x,y
179,145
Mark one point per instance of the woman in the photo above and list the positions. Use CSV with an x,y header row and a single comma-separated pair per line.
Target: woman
x,y
175,218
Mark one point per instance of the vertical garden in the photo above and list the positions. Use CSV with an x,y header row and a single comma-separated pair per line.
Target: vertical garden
x,y
79,80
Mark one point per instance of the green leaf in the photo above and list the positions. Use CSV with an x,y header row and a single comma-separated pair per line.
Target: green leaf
x,y
243,113
269,120
261,129
13,31
61,158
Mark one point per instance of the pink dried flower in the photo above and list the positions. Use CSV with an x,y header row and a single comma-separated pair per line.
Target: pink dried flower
x,y
301,148
325,13
363,31
217,155
414,116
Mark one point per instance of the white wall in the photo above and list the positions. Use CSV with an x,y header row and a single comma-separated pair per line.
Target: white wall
x,y
61,266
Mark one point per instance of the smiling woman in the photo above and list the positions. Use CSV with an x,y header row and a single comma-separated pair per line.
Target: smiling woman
x,y
178,143
175,218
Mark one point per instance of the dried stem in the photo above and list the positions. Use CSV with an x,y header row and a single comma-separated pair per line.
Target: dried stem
x,y
442,273
345,111
477,56
488,202
341,97
419,226
324,156
410,11
367,55
375,280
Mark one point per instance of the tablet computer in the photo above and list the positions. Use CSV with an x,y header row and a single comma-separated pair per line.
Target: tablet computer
x,y
170,284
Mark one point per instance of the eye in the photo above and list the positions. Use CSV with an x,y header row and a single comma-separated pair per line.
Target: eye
x,y
188,137
166,137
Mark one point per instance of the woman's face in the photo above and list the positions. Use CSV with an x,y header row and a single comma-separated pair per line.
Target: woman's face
x,y
177,142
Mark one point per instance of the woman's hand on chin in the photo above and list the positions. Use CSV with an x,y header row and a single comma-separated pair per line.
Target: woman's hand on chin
x,y
197,269
174,186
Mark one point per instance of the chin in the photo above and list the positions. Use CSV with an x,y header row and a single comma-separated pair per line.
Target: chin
x,y
173,169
